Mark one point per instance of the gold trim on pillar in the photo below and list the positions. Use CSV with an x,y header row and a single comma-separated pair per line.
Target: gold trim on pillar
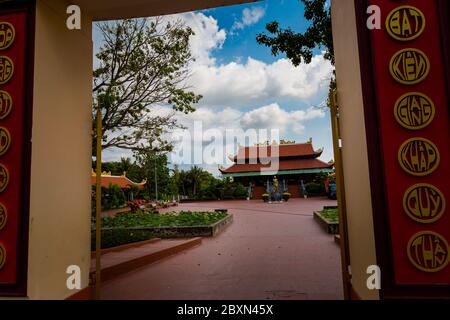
x,y
424,203
5,140
9,33
2,256
6,104
400,26
419,157
409,66
414,111
3,216
4,178
6,68
428,251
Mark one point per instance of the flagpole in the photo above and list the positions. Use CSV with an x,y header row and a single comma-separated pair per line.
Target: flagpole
x,y
340,195
98,207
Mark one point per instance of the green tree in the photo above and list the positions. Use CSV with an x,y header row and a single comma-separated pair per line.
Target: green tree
x,y
113,197
184,182
299,47
142,64
174,182
152,162
196,176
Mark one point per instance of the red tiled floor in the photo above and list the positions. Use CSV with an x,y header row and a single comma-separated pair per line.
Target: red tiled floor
x,y
270,251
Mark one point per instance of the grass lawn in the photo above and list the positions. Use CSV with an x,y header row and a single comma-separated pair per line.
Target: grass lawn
x,y
331,215
173,219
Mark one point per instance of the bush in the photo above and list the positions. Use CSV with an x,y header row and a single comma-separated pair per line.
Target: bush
x,y
265,197
113,197
330,214
315,189
240,192
286,196
116,237
170,219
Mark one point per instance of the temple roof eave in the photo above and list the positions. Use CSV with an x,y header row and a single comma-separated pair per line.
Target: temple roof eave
x,y
280,172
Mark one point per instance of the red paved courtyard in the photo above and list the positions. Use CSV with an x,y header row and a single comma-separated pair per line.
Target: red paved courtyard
x,y
270,251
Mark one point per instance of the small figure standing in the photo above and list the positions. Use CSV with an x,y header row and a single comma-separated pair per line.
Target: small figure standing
x,y
302,185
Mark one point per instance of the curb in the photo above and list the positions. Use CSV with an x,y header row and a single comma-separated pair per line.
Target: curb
x,y
120,268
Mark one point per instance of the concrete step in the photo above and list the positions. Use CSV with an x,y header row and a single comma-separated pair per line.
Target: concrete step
x,y
122,260
126,246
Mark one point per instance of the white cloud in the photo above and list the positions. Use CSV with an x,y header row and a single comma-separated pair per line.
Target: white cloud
x,y
249,17
208,36
255,81
207,128
273,116
248,81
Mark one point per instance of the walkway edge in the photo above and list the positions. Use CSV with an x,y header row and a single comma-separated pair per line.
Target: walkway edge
x,y
126,246
113,271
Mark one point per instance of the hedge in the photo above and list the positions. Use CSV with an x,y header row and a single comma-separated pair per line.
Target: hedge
x,y
116,237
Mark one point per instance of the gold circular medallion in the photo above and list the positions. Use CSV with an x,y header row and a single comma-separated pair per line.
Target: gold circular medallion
x,y
3,216
409,66
428,251
424,203
414,111
419,157
4,178
405,23
5,104
6,69
2,256
7,35
5,140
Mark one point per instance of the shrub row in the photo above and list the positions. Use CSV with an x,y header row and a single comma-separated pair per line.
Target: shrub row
x,y
116,237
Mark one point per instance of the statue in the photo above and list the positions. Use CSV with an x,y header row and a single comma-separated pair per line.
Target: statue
x,y
276,193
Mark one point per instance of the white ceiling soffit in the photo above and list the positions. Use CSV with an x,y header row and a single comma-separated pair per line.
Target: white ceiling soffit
x,y
123,9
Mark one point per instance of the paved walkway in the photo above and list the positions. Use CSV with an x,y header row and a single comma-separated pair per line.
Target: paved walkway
x,y
271,251
113,212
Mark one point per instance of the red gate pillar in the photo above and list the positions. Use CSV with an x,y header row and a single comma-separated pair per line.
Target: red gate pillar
x,y
396,99
45,114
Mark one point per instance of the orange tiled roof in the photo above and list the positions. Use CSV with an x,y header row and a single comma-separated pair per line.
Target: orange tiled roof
x,y
303,150
122,181
284,165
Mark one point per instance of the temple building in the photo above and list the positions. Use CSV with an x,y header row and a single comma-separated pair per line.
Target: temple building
x,y
122,181
292,165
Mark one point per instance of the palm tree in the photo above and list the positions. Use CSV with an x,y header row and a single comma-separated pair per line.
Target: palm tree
x,y
196,175
124,165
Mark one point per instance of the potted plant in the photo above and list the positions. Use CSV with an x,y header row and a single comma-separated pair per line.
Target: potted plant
x,y
286,196
265,197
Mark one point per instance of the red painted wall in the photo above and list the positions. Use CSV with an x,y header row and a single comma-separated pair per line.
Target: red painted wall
x,y
393,135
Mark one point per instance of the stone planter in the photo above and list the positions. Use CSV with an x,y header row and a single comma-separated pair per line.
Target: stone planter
x,y
188,231
328,226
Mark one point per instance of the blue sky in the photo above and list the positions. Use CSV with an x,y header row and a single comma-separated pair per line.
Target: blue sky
x,y
287,12
244,86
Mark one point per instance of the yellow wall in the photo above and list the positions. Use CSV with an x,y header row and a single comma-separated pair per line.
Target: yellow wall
x,y
122,9
354,148
61,153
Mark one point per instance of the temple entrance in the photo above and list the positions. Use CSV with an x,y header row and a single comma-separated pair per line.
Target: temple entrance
x,y
260,192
